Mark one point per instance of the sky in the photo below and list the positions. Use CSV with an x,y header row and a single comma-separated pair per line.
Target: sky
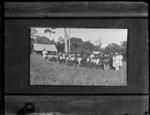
x,y
106,36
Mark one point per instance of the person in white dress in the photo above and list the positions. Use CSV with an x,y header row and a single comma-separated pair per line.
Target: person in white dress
x,y
120,61
116,61
44,53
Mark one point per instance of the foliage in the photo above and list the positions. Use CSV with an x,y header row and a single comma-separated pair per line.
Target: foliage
x,y
76,44
112,48
124,49
98,45
52,41
85,47
88,46
48,30
43,40
61,40
60,46
34,32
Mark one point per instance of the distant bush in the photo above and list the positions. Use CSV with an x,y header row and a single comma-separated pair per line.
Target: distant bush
x,y
42,40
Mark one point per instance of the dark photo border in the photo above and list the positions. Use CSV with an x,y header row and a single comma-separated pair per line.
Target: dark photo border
x,y
16,77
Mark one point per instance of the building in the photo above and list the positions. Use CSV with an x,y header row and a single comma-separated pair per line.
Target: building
x,y
49,47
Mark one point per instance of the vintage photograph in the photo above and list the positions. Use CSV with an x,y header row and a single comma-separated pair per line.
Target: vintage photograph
x,y
78,56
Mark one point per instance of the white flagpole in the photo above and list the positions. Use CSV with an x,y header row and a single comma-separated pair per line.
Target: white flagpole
x,y
65,37
69,39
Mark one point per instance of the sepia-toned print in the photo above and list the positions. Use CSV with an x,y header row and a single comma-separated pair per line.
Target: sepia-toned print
x,y
78,56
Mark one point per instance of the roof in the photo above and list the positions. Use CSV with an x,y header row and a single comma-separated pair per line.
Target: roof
x,y
48,47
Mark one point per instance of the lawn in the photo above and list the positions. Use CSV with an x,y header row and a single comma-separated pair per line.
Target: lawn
x,y
44,72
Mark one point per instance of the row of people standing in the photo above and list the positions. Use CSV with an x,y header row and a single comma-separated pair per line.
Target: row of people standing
x,y
114,61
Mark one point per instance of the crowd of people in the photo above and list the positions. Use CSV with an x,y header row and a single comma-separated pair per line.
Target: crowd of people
x,y
100,61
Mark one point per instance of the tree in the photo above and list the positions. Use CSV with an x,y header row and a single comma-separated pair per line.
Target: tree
x,y
43,40
52,41
61,40
124,49
112,48
76,44
49,30
124,44
88,46
60,44
60,47
98,44
34,32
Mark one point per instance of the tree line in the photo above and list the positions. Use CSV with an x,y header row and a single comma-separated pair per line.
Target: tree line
x,y
77,45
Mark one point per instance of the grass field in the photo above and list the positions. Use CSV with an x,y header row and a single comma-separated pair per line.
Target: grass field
x,y
44,72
